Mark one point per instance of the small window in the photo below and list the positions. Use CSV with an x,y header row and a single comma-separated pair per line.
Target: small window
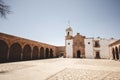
x,y
96,44
68,43
88,42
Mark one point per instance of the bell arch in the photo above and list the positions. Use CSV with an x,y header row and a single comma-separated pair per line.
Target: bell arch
x,y
15,52
3,51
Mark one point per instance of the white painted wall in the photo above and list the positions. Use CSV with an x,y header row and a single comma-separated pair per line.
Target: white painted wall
x,y
104,48
89,48
69,48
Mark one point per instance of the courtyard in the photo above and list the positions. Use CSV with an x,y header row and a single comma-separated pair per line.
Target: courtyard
x,y
61,69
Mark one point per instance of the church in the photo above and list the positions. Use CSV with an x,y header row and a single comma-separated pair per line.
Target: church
x,y
74,45
79,46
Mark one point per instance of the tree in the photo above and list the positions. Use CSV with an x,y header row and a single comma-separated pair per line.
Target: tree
x,y
4,9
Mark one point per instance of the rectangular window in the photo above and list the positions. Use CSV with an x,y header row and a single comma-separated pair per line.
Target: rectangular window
x,y
96,44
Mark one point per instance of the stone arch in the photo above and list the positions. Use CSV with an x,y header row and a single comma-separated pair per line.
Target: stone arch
x,y
47,53
51,53
35,52
3,51
78,54
116,52
27,52
15,52
113,53
41,53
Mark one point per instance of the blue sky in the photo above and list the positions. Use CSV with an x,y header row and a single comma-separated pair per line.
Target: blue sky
x,y
46,20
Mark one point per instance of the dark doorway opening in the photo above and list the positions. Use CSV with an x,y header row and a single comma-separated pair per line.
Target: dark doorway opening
x,y
97,55
61,54
47,53
51,53
78,54
113,53
26,52
41,53
3,51
116,52
35,53
15,52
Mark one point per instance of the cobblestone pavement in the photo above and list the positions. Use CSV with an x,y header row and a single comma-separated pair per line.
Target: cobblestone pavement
x,y
82,74
86,69
61,69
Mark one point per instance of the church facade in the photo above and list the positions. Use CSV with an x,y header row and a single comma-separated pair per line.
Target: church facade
x,y
75,47
79,46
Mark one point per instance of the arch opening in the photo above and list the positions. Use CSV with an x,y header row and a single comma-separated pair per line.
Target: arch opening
x,y
51,53
27,52
47,53
3,51
15,52
116,53
41,53
113,53
35,53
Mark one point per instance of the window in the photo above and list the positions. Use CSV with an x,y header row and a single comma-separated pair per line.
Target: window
x,y
68,43
88,42
96,44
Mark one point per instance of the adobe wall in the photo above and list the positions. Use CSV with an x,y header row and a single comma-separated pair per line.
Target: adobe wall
x,y
60,51
14,48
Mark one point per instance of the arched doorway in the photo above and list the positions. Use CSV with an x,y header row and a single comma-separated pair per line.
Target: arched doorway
x,y
35,53
47,53
116,52
15,52
3,51
27,52
78,54
51,53
41,53
113,53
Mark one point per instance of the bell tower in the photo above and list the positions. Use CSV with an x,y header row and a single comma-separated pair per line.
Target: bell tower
x,y
69,42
